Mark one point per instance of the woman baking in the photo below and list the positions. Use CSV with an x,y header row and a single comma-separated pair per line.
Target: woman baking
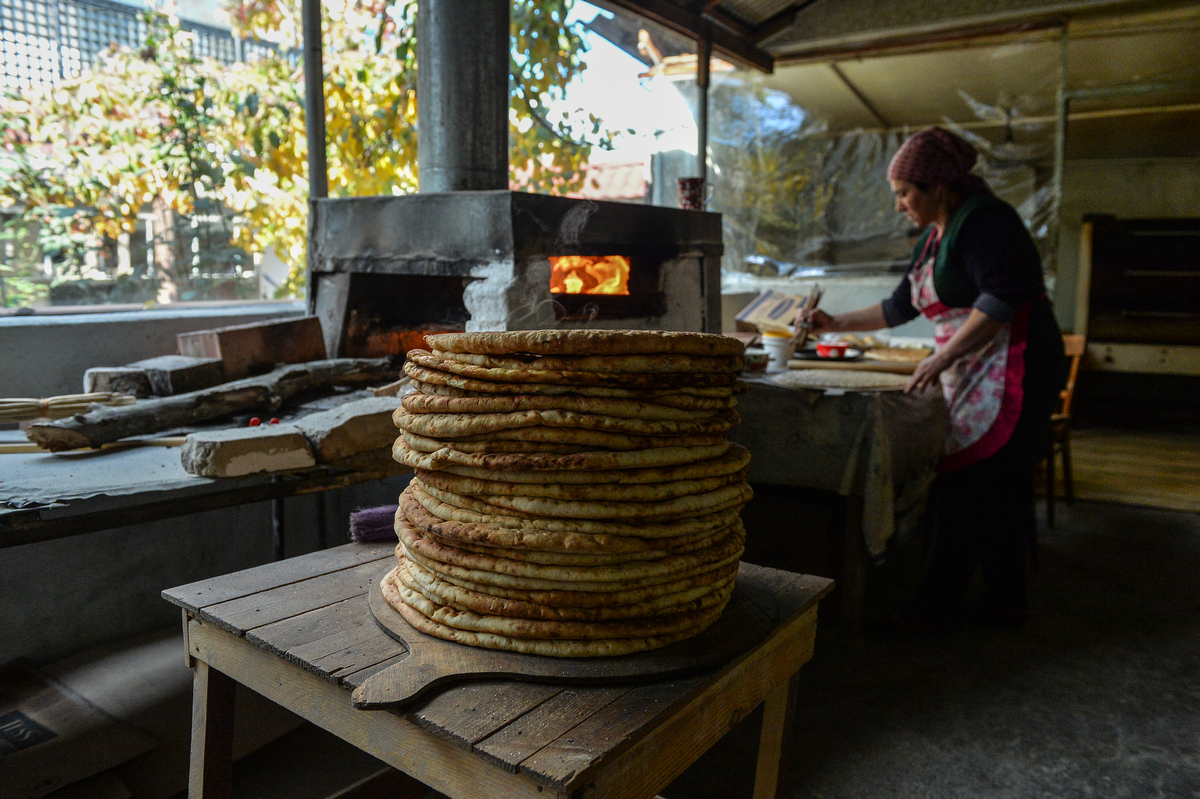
x,y
975,272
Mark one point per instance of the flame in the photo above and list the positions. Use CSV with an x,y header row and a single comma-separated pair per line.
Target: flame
x,y
589,274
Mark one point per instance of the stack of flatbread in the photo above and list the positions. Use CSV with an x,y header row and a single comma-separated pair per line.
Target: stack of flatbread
x,y
575,494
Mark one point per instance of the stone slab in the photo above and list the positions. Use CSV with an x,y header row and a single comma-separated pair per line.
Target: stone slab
x,y
352,428
246,450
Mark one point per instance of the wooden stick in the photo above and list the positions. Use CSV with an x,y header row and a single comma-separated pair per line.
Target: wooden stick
x,y
28,447
267,392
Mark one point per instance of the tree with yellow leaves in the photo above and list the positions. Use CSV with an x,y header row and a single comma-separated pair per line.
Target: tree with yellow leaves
x,y
190,138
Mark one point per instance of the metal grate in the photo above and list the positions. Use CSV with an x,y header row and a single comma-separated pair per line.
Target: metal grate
x,y
44,40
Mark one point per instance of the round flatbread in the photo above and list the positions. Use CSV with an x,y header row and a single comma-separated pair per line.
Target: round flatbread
x,y
611,492
460,425
639,572
587,342
592,599
836,378
691,543
446,593
541,507
661,363
552,629
562,648
556,439
560,378
422,374
546,460
601,406
471,577
669,399
555,535
735,460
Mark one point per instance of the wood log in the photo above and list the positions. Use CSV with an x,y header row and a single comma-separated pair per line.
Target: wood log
x,y
102,425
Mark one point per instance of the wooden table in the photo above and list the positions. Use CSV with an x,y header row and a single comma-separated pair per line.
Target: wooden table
x,y
44,496
300,633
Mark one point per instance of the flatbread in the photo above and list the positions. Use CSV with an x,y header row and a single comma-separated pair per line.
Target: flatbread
x,y
560,378
579,459
639,572
603,406
691,543
485,582
836,378
555,535
587,342
423,444
458,425
542,507
556,439
898,354
612,492
423,374
562,648
661,363
446,593
552,629
683,400
735,459
592,599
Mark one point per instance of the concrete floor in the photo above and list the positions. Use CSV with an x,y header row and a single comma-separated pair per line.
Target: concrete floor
x,y
1098,695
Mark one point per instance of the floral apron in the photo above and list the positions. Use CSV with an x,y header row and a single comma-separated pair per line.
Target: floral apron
x,y
982,388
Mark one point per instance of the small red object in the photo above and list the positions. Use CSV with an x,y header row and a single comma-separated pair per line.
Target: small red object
x,y
255,421
274,420
835,349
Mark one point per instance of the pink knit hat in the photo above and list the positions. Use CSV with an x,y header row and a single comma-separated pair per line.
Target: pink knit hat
x,y
935,155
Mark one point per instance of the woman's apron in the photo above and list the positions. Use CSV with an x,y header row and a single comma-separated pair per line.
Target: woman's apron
x,y
982,388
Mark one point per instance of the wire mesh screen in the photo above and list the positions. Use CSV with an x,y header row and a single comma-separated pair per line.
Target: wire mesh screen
x,y
43,40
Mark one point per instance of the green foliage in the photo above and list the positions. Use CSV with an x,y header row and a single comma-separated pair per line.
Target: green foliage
x,y
193,139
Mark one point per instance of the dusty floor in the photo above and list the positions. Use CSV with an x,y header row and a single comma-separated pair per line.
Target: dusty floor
x,y
1098,695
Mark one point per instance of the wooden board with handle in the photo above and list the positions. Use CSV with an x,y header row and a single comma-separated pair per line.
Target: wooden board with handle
x,y
749,616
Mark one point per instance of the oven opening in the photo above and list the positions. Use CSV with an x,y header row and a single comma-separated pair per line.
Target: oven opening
x,y
589,274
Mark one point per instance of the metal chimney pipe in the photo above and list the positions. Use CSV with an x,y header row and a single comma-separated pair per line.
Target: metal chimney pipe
x,y
462,94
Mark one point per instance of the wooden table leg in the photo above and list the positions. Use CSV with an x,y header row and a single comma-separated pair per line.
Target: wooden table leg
x,y
778,710
211,773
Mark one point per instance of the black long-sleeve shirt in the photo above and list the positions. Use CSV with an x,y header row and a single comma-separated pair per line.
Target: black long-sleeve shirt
x,y
1000,260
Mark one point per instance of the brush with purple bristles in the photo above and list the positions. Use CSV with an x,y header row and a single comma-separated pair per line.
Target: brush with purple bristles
x,y
373,524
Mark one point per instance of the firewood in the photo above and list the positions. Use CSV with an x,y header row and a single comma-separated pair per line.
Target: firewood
x,y
265,392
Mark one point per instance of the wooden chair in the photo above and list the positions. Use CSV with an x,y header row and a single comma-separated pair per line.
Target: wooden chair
x,y
1060,428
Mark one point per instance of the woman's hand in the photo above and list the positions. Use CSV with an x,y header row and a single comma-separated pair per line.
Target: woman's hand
x,y
927,372
818,321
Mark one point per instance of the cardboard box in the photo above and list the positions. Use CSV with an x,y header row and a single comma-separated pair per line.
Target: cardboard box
x,y
772,310
50,737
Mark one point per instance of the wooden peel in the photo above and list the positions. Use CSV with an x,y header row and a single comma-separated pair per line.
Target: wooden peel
x,y
750,615
802,329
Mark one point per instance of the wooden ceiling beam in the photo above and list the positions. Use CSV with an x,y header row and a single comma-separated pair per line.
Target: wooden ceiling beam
x,y
729,21
777,23
725,42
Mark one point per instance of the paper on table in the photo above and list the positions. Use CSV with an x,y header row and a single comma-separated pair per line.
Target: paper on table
x,y
772,310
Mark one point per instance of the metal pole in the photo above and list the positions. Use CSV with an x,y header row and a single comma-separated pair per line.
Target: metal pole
x,y
314,100
703,57
1060,149
462,95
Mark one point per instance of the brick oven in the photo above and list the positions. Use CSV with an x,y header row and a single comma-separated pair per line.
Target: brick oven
x,y
385,269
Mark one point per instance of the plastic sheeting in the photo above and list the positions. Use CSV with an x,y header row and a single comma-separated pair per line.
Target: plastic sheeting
x,y
800,201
